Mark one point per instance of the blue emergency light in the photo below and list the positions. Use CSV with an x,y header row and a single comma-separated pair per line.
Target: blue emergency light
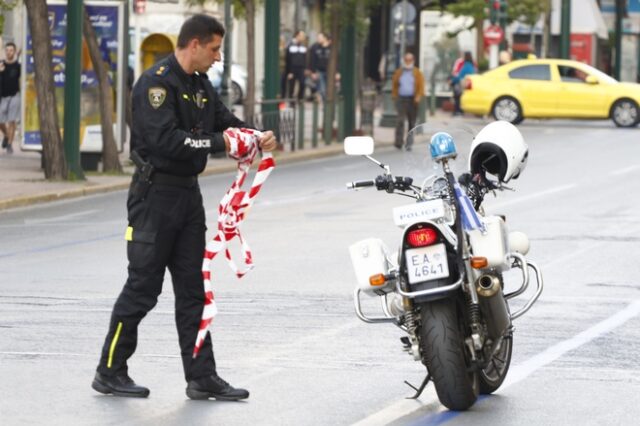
x,y
442,147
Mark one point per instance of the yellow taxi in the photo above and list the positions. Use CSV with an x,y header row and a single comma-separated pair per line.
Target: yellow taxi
x,y
550,88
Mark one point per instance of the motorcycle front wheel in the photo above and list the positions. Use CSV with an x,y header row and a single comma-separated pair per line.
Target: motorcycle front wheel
x,y
445,355
492,376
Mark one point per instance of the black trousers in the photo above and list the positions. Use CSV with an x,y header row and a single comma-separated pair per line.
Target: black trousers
x,y
166,230
407,110
288,86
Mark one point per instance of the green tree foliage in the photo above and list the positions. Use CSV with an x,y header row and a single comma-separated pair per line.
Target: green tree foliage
x,y
6,6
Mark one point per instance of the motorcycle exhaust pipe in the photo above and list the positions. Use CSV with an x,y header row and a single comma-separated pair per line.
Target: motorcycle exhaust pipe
x,y
493,305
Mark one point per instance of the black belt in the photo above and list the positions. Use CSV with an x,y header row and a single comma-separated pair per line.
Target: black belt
x,y
167,179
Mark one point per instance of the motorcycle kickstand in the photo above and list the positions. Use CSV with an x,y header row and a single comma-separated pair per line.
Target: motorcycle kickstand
x,y
420,389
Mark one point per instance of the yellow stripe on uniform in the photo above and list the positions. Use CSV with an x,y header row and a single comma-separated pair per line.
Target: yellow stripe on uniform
x,y
128,234
112,348
184,95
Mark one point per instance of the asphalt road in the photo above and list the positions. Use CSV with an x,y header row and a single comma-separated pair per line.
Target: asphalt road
x,y
287,330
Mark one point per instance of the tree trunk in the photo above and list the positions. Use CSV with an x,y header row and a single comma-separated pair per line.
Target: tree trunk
x,y
55,166
250,96
332,67
110,160
479,39
546,29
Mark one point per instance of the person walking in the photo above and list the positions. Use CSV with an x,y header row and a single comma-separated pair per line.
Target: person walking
x,y
407,89
10,92
295,66
178,120
457,80
319,62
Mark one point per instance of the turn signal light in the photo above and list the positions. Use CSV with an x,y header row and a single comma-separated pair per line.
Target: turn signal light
x,y
479,262
377,280
422,237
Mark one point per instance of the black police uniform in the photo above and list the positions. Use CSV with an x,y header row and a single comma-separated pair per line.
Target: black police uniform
x,y
178,120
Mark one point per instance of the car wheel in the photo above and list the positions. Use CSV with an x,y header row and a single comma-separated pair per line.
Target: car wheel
x,y
624,113
236,93
507,109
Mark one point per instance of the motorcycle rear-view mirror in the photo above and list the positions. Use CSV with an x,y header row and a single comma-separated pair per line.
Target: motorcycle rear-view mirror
x,y
358,145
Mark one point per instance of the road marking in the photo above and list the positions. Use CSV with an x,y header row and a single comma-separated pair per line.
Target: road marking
x,y
522,371
533,196
59,218
625,170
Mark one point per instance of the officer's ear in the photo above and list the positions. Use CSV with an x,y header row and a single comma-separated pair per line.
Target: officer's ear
x,y
193,44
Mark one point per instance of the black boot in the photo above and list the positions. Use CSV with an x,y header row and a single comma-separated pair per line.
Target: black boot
x,y
119,385
214,387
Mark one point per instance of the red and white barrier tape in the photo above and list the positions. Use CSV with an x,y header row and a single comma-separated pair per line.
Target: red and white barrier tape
x,y
231,212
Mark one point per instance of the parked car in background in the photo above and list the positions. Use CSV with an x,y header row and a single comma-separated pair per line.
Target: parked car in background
x,y
551,88
238,85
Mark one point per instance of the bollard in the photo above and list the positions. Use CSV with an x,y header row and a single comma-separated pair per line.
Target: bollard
x,y
328,124
340,119
314,124
301,124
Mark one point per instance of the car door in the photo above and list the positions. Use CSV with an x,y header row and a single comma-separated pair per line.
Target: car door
x,y
534,89
577,97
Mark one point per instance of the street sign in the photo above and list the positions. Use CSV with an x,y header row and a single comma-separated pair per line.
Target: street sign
x,y
493,34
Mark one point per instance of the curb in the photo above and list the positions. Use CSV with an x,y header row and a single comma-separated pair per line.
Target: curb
x,y
280,158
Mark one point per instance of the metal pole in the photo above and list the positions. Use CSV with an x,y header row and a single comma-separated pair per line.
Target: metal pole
x,y
314,124
271,61
72,87
620,6
403,35
347,72
227,60
389,113
565,29
301,124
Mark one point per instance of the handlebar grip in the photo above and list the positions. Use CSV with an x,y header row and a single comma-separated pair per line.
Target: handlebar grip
x,y
360,184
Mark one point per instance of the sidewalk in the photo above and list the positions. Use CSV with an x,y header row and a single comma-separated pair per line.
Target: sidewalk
x,y
22,180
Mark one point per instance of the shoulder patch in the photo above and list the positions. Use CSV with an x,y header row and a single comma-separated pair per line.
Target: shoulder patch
x,y
157,95
162,70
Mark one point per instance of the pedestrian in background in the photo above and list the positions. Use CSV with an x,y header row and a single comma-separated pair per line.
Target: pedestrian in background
x,y
295,66
178,120
407,89
10,92
457,81
319,61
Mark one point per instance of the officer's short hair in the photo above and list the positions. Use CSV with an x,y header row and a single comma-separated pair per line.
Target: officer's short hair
x,y
199,26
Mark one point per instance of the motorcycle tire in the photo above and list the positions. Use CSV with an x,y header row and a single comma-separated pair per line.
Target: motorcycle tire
x,y
492,376
445,355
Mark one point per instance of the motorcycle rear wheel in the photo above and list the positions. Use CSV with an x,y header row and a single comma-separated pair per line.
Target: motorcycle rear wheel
x,y
445,355
492,376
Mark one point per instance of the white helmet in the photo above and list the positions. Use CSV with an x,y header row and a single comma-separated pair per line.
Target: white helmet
x,y
500,150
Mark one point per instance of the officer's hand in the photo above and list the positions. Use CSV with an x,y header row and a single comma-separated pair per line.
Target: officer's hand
x,y
268,141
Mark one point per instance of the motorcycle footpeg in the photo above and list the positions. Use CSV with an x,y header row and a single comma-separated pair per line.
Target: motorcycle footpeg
x,y
406,343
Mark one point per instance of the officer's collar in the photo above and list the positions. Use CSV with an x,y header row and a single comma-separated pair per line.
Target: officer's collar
x,y
173,63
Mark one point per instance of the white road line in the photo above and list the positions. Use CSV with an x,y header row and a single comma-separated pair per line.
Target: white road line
x,y
625,170
522,371
532,196
59,218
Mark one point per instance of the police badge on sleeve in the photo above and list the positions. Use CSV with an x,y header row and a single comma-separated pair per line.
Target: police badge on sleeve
x,y
157,95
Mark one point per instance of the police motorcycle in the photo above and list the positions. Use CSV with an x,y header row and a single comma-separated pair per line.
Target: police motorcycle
x,y
444,287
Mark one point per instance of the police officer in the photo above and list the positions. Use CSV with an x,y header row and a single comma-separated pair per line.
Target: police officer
x,y
178,121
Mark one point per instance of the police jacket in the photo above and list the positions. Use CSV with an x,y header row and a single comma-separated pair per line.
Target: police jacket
x,y
178,119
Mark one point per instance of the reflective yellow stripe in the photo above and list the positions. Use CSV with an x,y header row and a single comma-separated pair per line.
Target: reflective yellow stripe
x,y
113,344
128,235
184,95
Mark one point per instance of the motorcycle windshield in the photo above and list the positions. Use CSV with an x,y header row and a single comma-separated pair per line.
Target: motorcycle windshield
x,y
452,141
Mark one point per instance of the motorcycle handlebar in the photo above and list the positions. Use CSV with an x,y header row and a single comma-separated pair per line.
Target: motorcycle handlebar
x,y
360,184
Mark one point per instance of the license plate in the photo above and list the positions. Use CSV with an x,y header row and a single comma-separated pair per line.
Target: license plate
x,y
427,263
